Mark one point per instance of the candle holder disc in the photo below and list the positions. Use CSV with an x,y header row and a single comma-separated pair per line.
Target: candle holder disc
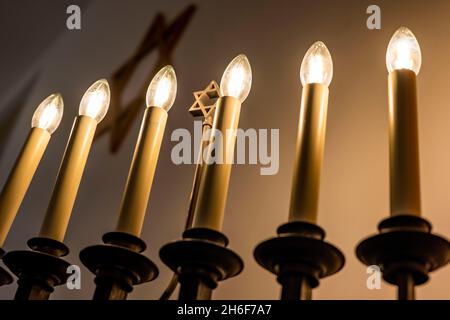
x,y
406,251
118,265
38,270
201,260
299,257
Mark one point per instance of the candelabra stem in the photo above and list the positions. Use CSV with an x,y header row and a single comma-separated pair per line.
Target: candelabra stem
x,y
296,288
5,277
193,287
207,123
107,288
29,289
406,286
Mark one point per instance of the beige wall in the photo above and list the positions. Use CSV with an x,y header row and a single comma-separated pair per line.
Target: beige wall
x,y
274,35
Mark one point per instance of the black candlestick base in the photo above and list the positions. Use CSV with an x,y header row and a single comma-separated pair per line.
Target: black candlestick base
x,y
5,276
406,251
200,261
39,270
299,257
118,265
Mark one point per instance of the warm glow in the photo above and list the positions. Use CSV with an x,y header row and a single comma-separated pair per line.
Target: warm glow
x,y
162,89
95,101
49,113
317,65
237,78
403,51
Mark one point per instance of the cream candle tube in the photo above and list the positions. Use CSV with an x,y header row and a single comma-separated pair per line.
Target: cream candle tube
x,y
142,171
214,182
404,144
20,178
69,178
309,153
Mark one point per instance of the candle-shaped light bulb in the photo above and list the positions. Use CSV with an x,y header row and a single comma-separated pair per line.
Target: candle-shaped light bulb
x,y
160,97
316,73
93,108
215,176
403,61
49,113
237,78
162,89
95,101
45,121
317,65
403,51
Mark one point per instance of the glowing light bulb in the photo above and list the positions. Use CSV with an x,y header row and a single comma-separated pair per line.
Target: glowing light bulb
x,y
403,51
162,89
237,78
95,101
49,113
317,65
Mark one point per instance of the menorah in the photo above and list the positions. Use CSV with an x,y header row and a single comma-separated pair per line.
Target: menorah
x,y
405,248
